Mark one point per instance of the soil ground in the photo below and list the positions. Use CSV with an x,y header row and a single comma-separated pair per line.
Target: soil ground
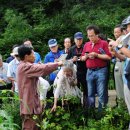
x,y
111,100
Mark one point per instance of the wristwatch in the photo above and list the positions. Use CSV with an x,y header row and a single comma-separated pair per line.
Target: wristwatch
x,y
119,46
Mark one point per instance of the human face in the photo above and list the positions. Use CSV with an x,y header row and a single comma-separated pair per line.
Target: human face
x,y
128,28
92,36
54,49
28,43
117,32
78,42
67,43
30,58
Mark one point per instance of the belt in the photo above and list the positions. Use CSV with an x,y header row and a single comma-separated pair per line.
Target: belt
x,y
95,69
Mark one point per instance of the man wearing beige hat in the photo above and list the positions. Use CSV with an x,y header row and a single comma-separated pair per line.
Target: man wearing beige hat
x,y
12,69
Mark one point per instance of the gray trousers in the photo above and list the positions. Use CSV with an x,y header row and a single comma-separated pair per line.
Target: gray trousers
x,y
118,74
127,98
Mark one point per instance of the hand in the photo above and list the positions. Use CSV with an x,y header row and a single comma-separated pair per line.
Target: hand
x,y
92,55
112,50
75,58
56,60
83,58
53,108
39,62
60,63
109,39
113,43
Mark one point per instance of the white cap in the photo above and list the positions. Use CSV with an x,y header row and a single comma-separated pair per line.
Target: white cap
x,y
15,51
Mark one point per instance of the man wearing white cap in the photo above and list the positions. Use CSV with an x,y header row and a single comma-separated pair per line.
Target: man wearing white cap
x,y
12,69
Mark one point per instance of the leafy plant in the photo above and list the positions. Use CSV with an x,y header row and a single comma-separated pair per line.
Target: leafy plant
x,y
6,121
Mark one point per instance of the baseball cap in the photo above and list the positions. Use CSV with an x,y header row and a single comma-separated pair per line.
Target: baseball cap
x,y
52,42
15,51
78,35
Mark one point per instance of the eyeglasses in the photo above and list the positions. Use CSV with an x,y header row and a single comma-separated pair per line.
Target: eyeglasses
x,y
91,35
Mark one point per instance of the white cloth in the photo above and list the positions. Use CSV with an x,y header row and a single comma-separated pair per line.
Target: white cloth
x,y
43,87
62,87
12,70
126,39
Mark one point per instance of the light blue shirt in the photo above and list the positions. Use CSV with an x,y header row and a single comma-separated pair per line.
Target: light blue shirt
x,y
12,70
37,57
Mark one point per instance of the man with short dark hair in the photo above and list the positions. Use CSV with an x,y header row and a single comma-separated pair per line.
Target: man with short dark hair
x,y
27,79
118,69
96,55
118,31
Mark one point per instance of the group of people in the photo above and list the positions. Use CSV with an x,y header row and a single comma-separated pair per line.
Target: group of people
x,y
83,73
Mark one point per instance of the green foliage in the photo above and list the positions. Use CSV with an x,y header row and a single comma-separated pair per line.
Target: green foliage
x,y
6,121
71,117
74,117
16,30
10,106
45,19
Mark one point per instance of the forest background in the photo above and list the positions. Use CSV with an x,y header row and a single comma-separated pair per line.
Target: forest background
x,y
40,20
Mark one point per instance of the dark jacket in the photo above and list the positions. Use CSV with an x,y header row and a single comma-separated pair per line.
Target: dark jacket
x,y
74,51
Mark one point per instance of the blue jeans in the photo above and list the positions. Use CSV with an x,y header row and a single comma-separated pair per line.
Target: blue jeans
x,y
97,82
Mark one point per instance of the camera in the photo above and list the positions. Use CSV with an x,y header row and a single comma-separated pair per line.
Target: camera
x,y
78,59
78,55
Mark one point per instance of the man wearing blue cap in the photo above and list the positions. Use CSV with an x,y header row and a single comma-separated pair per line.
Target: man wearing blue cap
x,y
51,57
74,54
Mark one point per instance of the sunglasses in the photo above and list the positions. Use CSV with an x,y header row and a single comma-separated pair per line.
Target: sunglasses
x,y
17,55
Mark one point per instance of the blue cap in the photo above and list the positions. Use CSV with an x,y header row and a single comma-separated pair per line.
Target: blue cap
x,y
78,35
52,42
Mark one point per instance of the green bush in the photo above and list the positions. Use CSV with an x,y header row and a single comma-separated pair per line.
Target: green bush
x,y
42,20
11,106
72,116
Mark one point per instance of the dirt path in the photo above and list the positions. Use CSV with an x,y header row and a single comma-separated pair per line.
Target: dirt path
x,y
112,98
